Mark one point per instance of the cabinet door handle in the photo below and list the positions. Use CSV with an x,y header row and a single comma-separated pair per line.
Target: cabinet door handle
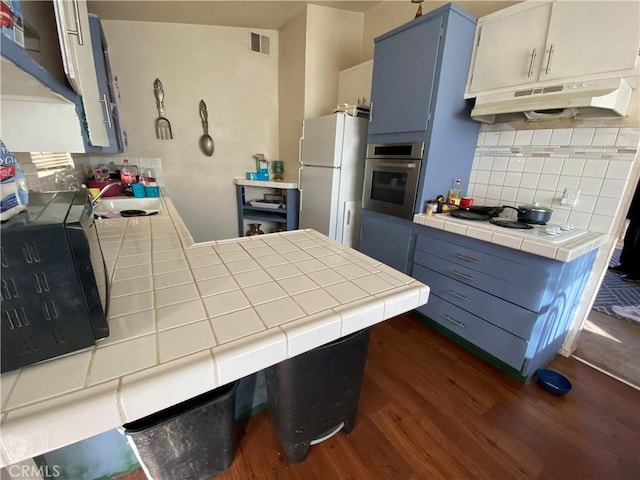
x,y
466,259
533,57
348,217
107,113
548,68
371,112
462,275
78,31
457,295
300,150
453,320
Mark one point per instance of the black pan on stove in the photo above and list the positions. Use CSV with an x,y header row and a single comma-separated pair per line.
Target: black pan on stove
x,y
477,213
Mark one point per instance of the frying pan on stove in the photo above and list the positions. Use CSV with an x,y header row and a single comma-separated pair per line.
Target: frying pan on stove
x,y
477,212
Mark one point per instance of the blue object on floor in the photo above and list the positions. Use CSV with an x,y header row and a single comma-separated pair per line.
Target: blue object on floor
x,y
553,381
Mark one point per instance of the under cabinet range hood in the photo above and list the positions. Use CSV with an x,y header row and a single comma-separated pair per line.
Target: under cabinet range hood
x,y
588,99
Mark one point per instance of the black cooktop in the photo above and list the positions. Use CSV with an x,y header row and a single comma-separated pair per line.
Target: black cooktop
x,y
503,222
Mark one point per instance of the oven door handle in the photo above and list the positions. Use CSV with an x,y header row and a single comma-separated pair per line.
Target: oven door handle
x,y
397,165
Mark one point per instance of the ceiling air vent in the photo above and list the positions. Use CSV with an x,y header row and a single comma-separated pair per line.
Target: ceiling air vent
x,y
260,43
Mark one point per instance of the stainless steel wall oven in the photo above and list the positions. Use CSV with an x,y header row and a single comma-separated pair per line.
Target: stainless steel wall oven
x,y
391,175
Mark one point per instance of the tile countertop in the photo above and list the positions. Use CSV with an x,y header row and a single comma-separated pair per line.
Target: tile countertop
x,y
186,318
563,252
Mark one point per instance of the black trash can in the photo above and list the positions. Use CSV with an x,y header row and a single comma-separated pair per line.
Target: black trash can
x,y
313,395
193,440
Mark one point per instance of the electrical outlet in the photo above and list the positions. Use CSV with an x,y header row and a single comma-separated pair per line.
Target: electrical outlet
x,y
570,196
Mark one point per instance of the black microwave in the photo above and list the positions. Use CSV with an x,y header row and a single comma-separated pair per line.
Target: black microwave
x,y
54,281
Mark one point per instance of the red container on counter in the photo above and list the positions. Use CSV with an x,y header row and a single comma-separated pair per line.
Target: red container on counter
x,y
111,192
466,202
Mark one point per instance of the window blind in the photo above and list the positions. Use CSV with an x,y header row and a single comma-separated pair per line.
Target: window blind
x,y
48,163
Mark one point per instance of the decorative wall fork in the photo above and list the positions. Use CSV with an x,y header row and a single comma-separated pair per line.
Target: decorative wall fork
x,y
163,126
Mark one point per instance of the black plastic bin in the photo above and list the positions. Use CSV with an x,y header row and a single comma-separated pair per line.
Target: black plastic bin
x,y
311,395
193,440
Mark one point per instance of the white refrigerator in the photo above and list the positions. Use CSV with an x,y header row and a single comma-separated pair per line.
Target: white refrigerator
x,y
331,175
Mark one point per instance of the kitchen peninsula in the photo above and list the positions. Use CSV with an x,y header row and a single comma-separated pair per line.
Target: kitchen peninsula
x,y
186,318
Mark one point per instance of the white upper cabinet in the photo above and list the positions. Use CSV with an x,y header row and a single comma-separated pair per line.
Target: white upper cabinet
x,y
354,84
550,42
587,38
509,50
72,19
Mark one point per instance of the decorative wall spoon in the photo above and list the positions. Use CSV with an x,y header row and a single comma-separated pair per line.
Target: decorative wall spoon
x,y
206,142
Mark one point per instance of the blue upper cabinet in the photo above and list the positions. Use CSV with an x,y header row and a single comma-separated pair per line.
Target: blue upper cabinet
x,y
420,72
76,47
106,90
42,113
38,112
403,77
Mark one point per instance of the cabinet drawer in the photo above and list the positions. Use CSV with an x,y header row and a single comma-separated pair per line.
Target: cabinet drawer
x,y
499,343
508,316
528,297
499,265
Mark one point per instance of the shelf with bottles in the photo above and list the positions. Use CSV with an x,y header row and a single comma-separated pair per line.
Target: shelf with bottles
x,y
284,216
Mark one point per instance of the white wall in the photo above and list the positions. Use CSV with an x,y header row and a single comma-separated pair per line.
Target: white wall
x,y
334,42
388,15
240,89
291,88
315,46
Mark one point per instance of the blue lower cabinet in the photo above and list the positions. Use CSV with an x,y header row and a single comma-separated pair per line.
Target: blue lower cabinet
x,y
500,343
387,239
510,306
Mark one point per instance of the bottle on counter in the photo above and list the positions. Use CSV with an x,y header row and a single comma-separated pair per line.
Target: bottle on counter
x,y
128,174
455,192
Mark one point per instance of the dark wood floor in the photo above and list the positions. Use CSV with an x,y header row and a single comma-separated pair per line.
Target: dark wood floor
x,y
429,409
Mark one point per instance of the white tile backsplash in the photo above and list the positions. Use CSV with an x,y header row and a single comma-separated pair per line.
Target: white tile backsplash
x,y
582,136
605,136
590,186
567,181
483,176
485,163
94,162
628,137
500,164
541,137
560,136
534,164
516,164
529,180
612,188
523,137
618,170
491,138
595,168
540,164
512,179
548,182
506,138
